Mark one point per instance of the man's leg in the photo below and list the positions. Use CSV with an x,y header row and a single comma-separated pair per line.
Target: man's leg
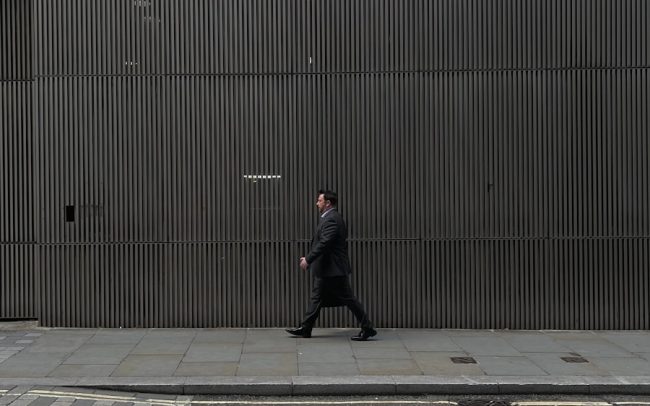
x,y
315,304
312,312
348,298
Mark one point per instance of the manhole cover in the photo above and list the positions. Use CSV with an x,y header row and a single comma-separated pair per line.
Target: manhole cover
x,y
574,360
463,360
483,402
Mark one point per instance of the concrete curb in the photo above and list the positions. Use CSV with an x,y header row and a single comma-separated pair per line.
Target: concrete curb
x,y
354,385
343,385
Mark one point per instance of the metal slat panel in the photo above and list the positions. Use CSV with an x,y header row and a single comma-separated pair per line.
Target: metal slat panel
x,y
17,281
16,223
530,34
493,171
15,40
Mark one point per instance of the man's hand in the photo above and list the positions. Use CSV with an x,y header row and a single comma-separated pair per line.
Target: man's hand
x,y
303,263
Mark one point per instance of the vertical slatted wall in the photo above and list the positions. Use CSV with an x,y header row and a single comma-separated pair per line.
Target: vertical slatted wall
x,y
18,287
491,158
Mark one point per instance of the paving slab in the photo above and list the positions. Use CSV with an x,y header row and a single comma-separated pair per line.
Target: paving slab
x,y
428,341
99,354
632,341
469,333
268,364
309,345
379,342
162,346
489,346
589,344
67,331
31,365
622,366
222,336
207,369
41,381
13,348
440,364
213,352
388,367
328,369
171,333
58,343
82,370
553,364
509,366
381,353
268,333
148,366
257,344
533,342
120,336
326,356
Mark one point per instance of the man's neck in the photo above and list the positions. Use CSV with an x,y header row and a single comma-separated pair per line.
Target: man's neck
x,y
327,211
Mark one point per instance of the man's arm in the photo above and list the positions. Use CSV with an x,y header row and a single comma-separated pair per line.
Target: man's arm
x,y
326,241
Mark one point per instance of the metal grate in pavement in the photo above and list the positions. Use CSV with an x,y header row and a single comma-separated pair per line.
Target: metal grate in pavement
x,y
574,360
483,402
463,360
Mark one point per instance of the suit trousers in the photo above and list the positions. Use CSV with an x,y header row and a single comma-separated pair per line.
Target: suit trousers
x,y
334,291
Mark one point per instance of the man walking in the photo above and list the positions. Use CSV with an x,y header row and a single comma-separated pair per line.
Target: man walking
x,y
330,266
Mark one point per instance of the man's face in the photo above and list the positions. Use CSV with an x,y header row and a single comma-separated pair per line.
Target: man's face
x,y
322,204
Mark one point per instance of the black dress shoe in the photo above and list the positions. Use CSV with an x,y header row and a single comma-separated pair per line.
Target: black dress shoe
x,y
300,331
364,334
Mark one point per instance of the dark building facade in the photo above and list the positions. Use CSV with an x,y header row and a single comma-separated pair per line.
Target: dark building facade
x,y
159,160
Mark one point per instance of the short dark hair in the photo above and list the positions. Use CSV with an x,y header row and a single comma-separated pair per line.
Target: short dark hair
x,y
329,195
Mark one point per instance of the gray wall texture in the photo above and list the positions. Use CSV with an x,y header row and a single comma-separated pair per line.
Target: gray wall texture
x,y
160,158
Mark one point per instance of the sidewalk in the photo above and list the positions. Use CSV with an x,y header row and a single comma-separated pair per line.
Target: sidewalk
x,y
270,362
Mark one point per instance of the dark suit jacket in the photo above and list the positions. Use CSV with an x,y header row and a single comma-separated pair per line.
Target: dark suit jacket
x,y
329,247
